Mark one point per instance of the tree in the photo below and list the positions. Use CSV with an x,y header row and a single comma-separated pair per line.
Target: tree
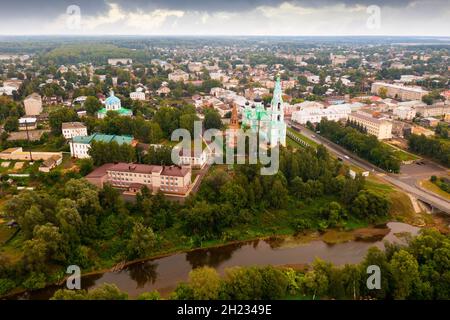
x,y
254,283
212,120
11,124
382,92
205,283
92,105
187,122
58,116
154,295
142,241
405,273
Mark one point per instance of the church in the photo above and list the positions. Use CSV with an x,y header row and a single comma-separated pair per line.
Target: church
x,y
268,122
112,103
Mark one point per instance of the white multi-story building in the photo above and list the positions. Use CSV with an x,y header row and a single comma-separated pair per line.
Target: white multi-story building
x,y
80,145
404,112
397,91
379,127
74,129
315,115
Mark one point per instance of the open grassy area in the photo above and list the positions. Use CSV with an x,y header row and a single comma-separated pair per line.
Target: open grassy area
x,y
430,186
403,155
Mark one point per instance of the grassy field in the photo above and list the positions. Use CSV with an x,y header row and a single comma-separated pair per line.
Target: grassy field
x,y
427,184
403,155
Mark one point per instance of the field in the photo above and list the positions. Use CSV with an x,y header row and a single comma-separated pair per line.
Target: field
x,y
427,184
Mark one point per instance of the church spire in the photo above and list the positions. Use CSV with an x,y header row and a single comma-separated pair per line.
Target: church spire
x,y
277,98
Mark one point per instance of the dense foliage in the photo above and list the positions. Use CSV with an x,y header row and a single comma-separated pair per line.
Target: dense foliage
x,y
365,146
438,149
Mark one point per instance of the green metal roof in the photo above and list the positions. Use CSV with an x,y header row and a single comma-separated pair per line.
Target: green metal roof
x,y
121,111
103,138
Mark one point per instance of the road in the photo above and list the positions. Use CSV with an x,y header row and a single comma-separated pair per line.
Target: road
x,y
405,181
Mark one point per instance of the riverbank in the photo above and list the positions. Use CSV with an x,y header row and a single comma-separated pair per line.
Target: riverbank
x,y
163,273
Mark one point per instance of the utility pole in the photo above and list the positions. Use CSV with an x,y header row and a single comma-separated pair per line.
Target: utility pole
x,y
28,138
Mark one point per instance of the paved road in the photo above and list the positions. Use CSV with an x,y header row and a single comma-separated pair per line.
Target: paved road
x,y
396,179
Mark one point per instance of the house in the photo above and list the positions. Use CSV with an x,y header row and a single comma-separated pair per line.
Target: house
x,y
27,123
33,104
73,129
192,158
178,75
163,91
137,95
80,145
50,163
171,180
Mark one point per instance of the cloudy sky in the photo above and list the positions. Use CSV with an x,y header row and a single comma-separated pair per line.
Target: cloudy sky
x,y
226,17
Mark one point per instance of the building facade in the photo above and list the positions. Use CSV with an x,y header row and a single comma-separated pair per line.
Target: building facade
x,y
112,103
178,75
33,104
397,91
171,180
379,127
74,129
315,115
79,146
268,122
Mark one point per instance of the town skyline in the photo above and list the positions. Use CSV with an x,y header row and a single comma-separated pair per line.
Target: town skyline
x,y
233,18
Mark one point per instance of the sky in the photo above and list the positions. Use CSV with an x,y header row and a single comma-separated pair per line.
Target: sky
x,y
225,17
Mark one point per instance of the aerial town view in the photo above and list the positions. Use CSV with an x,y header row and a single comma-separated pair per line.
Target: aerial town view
x,y
224,150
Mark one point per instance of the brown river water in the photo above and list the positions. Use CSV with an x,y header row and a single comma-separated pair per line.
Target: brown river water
x,y
163,274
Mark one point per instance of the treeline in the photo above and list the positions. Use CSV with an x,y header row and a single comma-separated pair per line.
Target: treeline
x,y
365,146
69,221
437,149
90,52
225,201
416,271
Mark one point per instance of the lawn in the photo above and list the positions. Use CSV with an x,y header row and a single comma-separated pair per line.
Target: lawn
x,y
430,186
403,155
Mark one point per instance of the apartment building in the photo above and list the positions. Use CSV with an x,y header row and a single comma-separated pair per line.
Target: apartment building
x,y
315,115
171,180
379,127
74,129
398,91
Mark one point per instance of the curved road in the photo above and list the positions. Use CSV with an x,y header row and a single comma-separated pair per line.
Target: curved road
x,y
349,157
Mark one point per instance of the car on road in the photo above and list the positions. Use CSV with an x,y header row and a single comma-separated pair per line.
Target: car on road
x,y
347,157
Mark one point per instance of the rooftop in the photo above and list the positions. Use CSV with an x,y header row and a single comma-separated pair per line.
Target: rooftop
x,y
103,138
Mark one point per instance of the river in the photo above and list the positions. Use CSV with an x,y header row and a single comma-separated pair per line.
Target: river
x,y
163,274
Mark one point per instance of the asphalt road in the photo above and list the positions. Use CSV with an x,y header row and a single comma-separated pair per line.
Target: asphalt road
x,y
406,180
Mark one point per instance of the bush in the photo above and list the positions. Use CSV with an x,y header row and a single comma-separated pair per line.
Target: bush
x,y
6,285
